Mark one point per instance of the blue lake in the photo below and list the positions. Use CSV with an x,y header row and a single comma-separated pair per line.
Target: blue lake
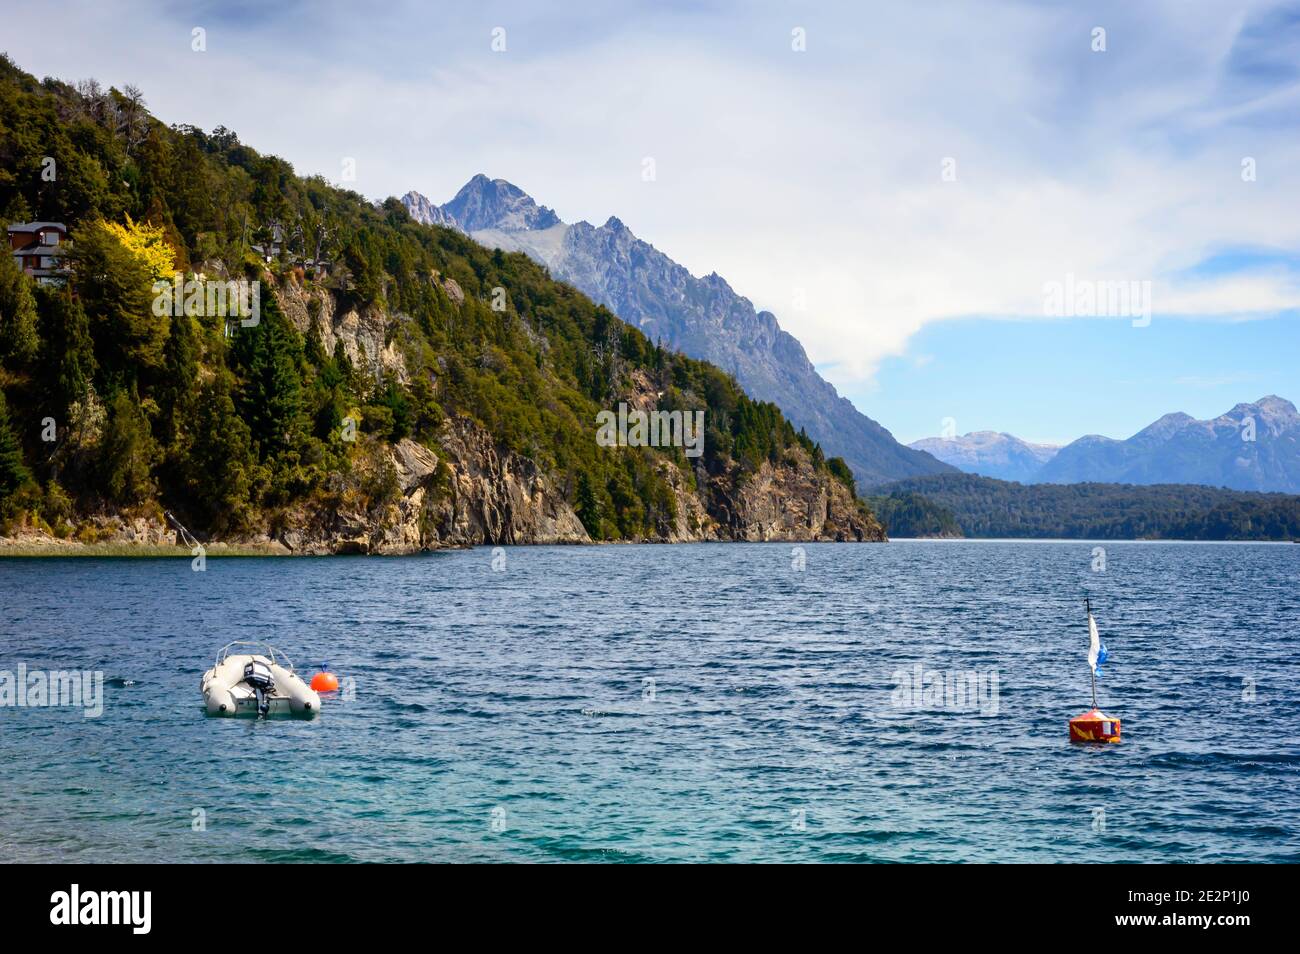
x,y
668,703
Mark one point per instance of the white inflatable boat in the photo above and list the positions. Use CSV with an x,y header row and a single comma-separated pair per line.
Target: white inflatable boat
x,y
262,683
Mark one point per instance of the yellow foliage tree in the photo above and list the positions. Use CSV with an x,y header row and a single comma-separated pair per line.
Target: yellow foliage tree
x,y
147,243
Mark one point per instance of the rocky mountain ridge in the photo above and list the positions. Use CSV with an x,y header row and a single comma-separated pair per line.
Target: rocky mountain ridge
x,y
990,453
1255,446
701,317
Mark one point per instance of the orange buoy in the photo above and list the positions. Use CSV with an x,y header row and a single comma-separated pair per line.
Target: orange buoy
x,y
1094,726
325,682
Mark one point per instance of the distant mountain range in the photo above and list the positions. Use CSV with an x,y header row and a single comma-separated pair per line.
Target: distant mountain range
x,y
1251,447
992,454
701,317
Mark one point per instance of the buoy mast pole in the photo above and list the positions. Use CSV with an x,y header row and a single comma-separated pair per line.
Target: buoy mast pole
x,y
1087,602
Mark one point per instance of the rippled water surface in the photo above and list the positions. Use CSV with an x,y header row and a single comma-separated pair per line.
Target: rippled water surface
x,y
659,703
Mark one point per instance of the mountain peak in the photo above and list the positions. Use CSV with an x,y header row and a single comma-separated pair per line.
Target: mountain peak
x,y
714,280
1165,426
1271,404
484,203
422,210
991,453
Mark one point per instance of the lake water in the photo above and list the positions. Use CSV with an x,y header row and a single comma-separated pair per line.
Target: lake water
x,y
662,703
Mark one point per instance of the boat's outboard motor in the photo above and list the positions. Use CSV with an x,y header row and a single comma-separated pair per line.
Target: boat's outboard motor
x,y
258,675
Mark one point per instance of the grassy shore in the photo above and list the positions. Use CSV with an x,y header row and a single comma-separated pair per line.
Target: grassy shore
x,y
60,548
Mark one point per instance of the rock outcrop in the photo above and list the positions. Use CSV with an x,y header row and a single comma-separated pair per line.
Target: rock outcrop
x,y
496,497
468,492
793,503
363,332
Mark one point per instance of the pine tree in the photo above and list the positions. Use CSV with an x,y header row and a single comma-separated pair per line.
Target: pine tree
x,y
268,355
128,451
13,474
313,348
67,357
587,506
220,464
177,387
18,340
115,284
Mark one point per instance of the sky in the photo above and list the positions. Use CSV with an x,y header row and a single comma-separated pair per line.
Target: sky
x,y
903,185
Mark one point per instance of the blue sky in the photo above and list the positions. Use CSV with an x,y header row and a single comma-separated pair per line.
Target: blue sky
x,y
1050,376
1103,374
813,173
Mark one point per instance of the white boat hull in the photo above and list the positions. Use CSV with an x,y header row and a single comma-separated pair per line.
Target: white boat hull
x,y
226,694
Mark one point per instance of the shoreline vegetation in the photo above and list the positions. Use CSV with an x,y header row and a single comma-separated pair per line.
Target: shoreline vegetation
x,y
968,505
52,548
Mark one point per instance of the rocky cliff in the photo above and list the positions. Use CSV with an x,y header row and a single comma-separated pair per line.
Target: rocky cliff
x,y
467,492
363,332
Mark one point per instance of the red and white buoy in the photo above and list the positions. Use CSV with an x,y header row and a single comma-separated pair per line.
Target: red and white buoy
x,y
1094,726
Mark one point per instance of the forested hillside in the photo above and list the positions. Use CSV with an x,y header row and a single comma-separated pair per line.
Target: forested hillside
x,y
389,357
984,507
908,514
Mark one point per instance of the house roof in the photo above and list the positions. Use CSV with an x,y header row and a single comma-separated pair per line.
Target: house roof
x,y
36,226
